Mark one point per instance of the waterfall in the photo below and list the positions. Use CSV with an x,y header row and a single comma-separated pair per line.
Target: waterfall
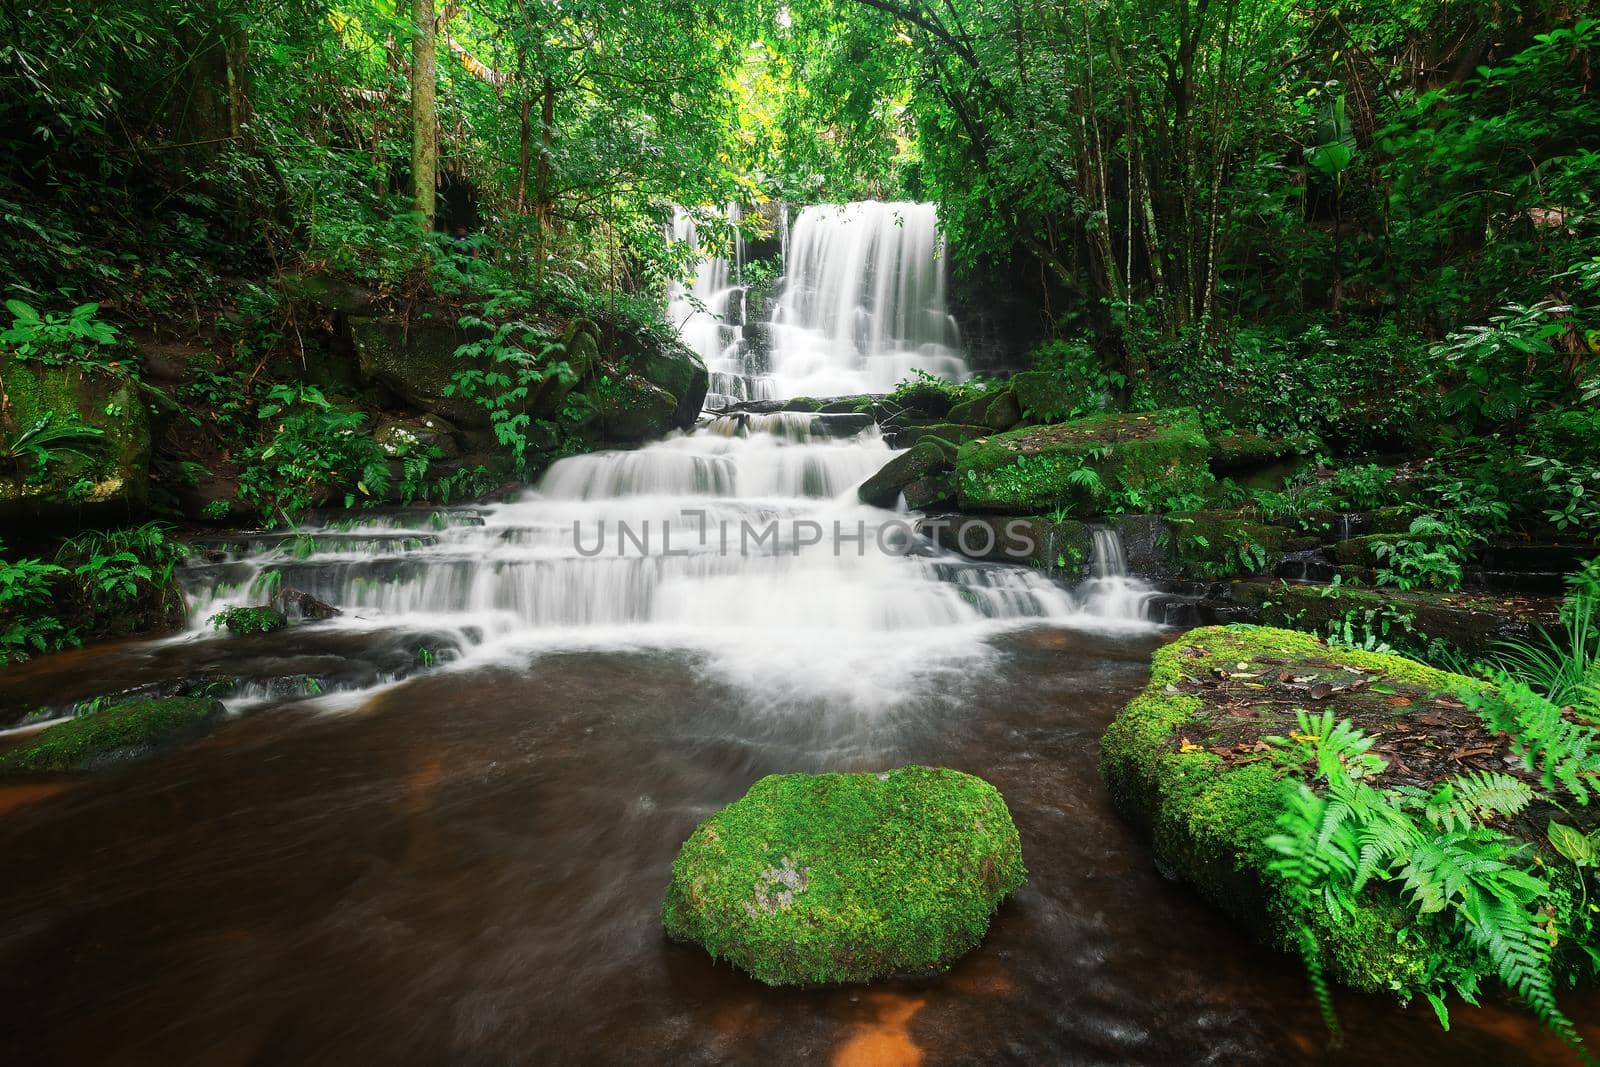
x,y
742,542
1110,592
863,301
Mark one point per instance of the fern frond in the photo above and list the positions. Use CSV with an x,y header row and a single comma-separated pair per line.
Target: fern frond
x,y
1561,751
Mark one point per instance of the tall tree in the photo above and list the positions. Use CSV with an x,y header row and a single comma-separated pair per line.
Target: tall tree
x,y
424,115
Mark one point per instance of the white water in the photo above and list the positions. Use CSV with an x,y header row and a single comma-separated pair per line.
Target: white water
x,y
742,541
863,302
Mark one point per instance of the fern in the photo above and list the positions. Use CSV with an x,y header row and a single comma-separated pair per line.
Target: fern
x,y
1558,749
1466,801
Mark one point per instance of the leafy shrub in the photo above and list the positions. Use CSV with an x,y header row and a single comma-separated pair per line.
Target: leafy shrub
x,y
30,453
316,449
243,621
58,338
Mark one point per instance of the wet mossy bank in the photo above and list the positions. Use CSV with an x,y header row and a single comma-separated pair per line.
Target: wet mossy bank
x,y
1188,761
813,879
124,731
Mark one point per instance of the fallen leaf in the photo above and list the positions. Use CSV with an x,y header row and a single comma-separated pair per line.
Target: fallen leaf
x,y
1398,702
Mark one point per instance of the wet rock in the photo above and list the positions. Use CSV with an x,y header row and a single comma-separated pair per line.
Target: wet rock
x,y
1156,456
672,367
632,411
1056,547
1045,397
123,731
925,399
110,480
422,435
883,489
812,879
935,490
996,409
305,605
1470,622
1242,453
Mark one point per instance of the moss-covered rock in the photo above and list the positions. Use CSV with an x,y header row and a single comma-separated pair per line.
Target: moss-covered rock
x,y
1469,622
672,367
1233,453
996,409
1182,761
810,879
632,411
1044,396
1134,459
955,433
919,461
424,435
124,731
933,491
1223,544
416,361
112,480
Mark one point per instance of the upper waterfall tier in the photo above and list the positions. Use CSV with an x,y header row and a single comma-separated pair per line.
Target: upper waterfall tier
x,y
863,301
860,308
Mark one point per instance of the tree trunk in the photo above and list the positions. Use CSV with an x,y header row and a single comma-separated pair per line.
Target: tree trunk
x,y
424,117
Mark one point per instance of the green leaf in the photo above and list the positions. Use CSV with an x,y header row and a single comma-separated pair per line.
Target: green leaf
x,y
1573,845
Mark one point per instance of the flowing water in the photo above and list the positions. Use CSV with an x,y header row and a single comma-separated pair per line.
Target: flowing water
x,y
456,853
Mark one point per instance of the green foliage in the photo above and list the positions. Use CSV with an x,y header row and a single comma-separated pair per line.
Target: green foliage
x,y
1564,752
56,338
1431,557
28,623
245,621
316,450
512,359
1081,383
1337,834
50,439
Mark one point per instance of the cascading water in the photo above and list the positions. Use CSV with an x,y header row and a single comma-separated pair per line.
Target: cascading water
x,y
742,541
863,302
1110,592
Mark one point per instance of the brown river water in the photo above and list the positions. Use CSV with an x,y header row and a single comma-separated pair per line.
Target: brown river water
x,y
467,868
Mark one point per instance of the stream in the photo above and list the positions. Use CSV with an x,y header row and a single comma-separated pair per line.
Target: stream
x,y
446,837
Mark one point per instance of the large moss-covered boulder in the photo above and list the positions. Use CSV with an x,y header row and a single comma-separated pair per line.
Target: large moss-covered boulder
x,y
417,362
110,481
632,411
883,489
1140,461
675,369
123,731
846,877
1184,760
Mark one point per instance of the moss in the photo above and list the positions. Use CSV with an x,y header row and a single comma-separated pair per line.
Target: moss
x,y
1231,452
115,479
124,730
996,409
846,877
1044,396
951,432
1139,459
1209,819
263,620
802,403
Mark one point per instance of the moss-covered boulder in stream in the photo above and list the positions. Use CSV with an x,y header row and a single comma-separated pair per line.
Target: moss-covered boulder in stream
x,y
124,731
995,409
108,478
1138,461
815,878
674,369
1187,760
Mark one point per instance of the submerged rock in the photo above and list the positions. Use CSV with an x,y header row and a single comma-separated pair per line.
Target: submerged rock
x,y
108,477
123,731
814,878
1146,459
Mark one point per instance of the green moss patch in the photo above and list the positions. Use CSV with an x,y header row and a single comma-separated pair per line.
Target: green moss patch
x,y
122,731
810,879
1137,462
